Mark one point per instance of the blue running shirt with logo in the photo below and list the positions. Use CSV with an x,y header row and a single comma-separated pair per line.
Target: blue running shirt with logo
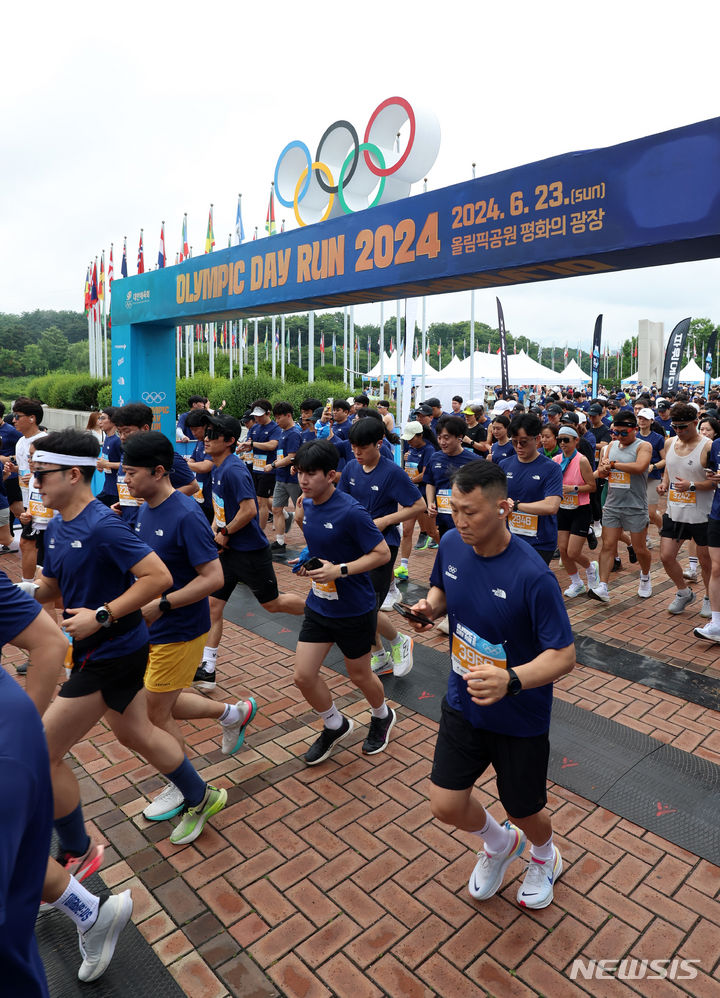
x,y
380,491
533,481
232,483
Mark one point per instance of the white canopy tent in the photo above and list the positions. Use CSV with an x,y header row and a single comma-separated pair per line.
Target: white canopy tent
x,y
692,374
632,380
573,375
387,367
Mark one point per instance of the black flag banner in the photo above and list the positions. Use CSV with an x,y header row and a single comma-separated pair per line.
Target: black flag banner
x,y
709,354
673,356
503,350
595,356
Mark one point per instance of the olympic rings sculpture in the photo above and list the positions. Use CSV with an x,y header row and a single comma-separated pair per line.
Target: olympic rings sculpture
x,y
342,175
153,398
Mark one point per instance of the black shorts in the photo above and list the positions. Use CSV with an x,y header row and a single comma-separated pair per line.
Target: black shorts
x,y
713,533
547,556
107,499
463,753
444,524
382,577
575,521
264,484
675,531
13,491
254,569
354,636
119,680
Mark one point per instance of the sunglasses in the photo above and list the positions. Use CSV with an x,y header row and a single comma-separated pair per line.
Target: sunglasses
x,y
680,426
566,440
622,433
39,475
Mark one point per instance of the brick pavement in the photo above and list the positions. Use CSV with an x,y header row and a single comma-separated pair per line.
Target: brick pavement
x,y
336,880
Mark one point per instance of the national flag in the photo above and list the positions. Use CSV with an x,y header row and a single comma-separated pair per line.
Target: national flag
x,y
185,250
239,230
270,219
87,290
111,270
514,347
334,350
210,237
392,345
161,248
101,285
439,348
322,344
123,265
694,348
94,286
255,235
565,355
141,256
489,346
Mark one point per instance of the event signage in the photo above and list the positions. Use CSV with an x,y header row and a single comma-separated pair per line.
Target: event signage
x,y
595,356
709,354
504,378
673,356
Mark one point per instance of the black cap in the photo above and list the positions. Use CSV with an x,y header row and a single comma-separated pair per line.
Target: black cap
x,y
556,410
228,424
424,409
433,402
595,409
570,417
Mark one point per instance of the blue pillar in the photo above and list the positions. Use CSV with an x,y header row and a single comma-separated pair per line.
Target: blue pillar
x,y
143,370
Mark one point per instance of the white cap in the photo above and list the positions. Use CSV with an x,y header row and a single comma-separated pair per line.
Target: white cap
x,y
412,429
646,413
695,406
258,411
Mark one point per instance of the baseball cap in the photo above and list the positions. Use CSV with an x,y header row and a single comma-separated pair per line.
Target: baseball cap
x,y
228,424
595,409
555,410
570,417
646,413
433,402
412,429
259,410
422,410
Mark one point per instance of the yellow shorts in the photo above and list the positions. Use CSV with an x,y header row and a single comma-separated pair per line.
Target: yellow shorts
x,y
173,666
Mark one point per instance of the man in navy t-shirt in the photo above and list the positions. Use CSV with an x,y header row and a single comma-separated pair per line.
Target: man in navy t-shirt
x,y
110,456
438,473
287,489
510,638
341,606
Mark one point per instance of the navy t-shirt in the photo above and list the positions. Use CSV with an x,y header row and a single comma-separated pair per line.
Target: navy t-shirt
x,y
713,462
657,442
17,610
262,434
418,458
180,534
380,491
307,435
204,479
505,611
180,475
342,429
340,530
438,472
231,484
26,815
533,481
112,451
290,441
500,452
91,557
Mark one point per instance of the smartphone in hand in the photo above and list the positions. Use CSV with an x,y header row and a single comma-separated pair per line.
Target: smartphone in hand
x,y
405,610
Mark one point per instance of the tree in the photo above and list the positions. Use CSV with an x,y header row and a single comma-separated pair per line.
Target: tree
x,y
54,346
34,361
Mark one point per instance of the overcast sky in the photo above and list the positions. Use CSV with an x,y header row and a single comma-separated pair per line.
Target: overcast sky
x,y
116,116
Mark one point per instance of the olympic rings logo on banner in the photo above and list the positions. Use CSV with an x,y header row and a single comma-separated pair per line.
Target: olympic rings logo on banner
x,y
153,398
344,171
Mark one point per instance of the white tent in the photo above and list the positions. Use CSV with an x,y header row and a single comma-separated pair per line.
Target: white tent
x,y
692,374
454,368
632,380
387,367
573,375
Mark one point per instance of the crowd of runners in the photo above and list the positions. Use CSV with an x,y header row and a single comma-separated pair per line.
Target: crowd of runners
x,y
124,589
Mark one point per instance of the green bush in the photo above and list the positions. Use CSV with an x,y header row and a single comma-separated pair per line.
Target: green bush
x,y
104,396
67,391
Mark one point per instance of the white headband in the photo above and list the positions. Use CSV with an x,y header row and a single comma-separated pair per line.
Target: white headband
x,y
69,460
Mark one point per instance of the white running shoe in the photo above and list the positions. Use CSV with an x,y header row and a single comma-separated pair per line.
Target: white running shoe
x,y
706,609
537,887
681,601
233,735
402,656
645,588
708,633
97,944
575,589
600,592
690,574
394,596
486,878
167,804
381,663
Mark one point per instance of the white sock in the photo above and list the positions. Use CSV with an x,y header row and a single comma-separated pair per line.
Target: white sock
x,y
210,658
684,592
693,564
575,578
78,904
716,619
543,853
232,714
398,639
332,718
496,837
404,562
280,538
381,711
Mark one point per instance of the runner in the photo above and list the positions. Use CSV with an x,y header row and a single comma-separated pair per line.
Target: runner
x,y
475,438
573,518
502,444
506,609
624,463
111,456
535,487
341,606
645,418
415,460
199,463
93,559
263,439
451,456
690,497
286,483
385,491
245,552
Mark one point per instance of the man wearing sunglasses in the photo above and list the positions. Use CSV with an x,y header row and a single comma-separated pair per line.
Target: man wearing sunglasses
x,y
690,497
624,463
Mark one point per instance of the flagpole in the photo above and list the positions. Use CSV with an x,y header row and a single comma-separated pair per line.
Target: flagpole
x,y
256,347
311,347
382,344
282,348
397,344
345,345
352,349
274,358
231,350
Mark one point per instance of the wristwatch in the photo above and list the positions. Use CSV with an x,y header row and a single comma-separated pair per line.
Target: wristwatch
x,y
103,616
344,570
224,531
164,606
514,684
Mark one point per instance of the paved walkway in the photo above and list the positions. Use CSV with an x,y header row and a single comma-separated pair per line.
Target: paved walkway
x,y
337,881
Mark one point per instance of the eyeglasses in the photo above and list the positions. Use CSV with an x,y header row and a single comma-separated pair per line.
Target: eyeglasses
x,y
566,440
214,433
39,475
680,426
622,433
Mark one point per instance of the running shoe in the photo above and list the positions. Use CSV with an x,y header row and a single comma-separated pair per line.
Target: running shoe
x,y
97,944
645,588
690,574
379,733
402,656
431,544
575,589
681,601
631,555
706,609
592,539
193,820
537,887
204,679
401,572
233,735
329,737
593,574
276,546
597,527
167,804
289,520
617,565
422,542
649,543
381,663
486,878
708,633
81,867
599,592
394,596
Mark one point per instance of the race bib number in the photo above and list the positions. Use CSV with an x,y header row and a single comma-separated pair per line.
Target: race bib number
x,y
469,651
198,497
124,497
279,453
570,501
525,524
219,510
259,462
247,457
36,508
442,501
410,469
324,590
619,479
681,499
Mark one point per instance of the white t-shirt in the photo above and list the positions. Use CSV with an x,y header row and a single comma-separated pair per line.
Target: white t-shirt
x,y
22,459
